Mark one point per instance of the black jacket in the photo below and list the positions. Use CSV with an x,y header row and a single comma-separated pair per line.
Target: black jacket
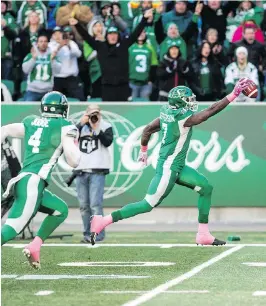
x,y
217,83
217,19
113,59
256,52
172,73
190,32
23,45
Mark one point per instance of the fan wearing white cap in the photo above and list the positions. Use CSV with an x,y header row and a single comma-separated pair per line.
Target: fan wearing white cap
x,y
241,68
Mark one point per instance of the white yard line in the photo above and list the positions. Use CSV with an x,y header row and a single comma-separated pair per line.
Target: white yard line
x,y
169,291
163,245
44,292
259,293
255,264
161,288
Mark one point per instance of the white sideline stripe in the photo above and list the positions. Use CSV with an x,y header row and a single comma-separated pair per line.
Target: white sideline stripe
x,y
161,288
255,264
259,293
44,292
116,264
9,276
62,276
163,245
169,291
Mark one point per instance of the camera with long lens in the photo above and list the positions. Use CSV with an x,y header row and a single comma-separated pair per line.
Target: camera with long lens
x,y
94,118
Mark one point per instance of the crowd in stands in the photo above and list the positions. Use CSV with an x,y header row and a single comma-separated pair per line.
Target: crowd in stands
x,y
131,50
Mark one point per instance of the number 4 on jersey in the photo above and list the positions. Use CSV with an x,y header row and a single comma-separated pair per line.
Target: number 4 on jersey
x,y
34,140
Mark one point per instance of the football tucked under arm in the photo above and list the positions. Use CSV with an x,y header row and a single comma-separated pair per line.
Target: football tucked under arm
x,y
15,130
70,145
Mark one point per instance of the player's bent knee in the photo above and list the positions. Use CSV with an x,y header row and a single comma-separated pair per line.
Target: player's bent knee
x,y
206,189
147,207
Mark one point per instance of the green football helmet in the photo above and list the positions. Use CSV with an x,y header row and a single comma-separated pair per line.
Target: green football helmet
x,y
182,97
54,104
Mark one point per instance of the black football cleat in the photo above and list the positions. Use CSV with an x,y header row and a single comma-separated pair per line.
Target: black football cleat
x,y
93,238
218,242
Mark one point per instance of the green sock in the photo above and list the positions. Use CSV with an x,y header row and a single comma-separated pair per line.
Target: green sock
x,y
204,206
49,224
131,210
7,233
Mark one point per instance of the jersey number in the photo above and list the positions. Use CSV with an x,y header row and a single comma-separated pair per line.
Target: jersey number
x,y
164,128
34,140
142,65
42,73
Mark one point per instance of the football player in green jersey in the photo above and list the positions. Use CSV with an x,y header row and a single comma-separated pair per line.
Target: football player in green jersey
x,y
176,121
46,137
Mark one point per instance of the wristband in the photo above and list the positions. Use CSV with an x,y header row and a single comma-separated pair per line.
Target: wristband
x,y
144,148
231,97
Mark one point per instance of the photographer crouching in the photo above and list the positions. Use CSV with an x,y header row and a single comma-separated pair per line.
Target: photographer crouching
x,y
96,135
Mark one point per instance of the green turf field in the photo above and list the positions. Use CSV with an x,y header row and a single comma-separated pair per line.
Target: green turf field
x,y
166,269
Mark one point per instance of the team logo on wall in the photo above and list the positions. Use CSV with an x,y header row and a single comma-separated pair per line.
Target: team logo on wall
x,y
125,170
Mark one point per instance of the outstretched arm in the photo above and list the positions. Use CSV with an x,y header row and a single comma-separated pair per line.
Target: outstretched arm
x,y
218,106
15,130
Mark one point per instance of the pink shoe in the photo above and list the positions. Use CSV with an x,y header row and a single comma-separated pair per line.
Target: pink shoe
x,y
33,256
208,239
98,223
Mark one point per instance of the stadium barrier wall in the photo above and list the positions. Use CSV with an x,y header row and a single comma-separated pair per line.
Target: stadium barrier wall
x,y
230,149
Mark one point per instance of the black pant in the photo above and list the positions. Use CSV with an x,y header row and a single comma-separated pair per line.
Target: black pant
x,y
96,88
70,86
115,92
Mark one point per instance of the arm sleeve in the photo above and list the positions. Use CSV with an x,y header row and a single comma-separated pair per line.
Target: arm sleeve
x,y
159,31
74,49
106,137
10,33
85,14
84,34
120,23
71,151
62,17
19,19
135,34
191,30
56,66
163,71
15,130
28,64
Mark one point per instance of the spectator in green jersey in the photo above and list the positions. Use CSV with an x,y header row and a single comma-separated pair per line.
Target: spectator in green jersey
x,y
142,64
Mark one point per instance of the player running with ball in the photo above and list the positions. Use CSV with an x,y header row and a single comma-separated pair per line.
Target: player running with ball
x,y
176,122
46,137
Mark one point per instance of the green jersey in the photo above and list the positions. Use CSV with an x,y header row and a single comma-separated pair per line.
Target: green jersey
x,y
26,9
40,71
176,138
42,143
140,61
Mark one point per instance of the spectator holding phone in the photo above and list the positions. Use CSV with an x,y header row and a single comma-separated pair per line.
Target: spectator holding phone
x,y
67,80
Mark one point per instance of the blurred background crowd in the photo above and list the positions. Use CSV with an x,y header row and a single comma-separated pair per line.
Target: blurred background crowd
x,y
131,50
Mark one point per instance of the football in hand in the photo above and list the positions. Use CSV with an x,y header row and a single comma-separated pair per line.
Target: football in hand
x,y
251,91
